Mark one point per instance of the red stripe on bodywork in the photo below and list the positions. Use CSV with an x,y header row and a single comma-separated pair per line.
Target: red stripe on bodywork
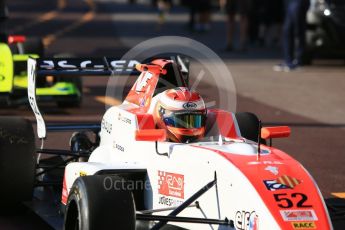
x,y
64,194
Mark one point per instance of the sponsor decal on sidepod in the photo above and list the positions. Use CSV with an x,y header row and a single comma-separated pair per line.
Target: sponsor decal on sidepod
x,y
288,181
246,220
273,185
171,184
298,215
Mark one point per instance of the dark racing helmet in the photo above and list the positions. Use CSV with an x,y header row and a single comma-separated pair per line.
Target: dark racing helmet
x,y
182,113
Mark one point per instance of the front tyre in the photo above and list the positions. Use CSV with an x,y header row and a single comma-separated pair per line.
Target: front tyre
x,y
93,204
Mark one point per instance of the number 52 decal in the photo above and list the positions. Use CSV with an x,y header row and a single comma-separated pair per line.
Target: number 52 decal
x,y
285,200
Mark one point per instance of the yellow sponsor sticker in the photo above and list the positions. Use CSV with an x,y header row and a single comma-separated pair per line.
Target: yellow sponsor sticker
x,y
81,173
303,225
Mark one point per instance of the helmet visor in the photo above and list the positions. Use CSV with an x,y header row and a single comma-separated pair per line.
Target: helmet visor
x,y
187,121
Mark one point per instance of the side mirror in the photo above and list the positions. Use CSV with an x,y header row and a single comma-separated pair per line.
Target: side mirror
x,y
150,135
275,132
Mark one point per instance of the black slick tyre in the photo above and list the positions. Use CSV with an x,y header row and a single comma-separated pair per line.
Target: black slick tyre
x,y
17,161
93,204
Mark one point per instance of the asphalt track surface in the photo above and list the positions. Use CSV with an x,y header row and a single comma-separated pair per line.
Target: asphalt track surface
x,y
317,141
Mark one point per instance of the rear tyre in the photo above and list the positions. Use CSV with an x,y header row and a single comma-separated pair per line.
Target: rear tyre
x,y
17,161
94,204
249,125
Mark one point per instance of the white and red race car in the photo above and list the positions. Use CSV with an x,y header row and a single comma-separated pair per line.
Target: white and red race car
x,y
131,177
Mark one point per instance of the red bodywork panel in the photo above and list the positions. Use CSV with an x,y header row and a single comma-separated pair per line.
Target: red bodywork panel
x,y
150,135
145,121
144,88
64,194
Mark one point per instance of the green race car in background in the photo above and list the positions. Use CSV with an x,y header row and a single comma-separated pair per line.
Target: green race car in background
x,y
13,76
